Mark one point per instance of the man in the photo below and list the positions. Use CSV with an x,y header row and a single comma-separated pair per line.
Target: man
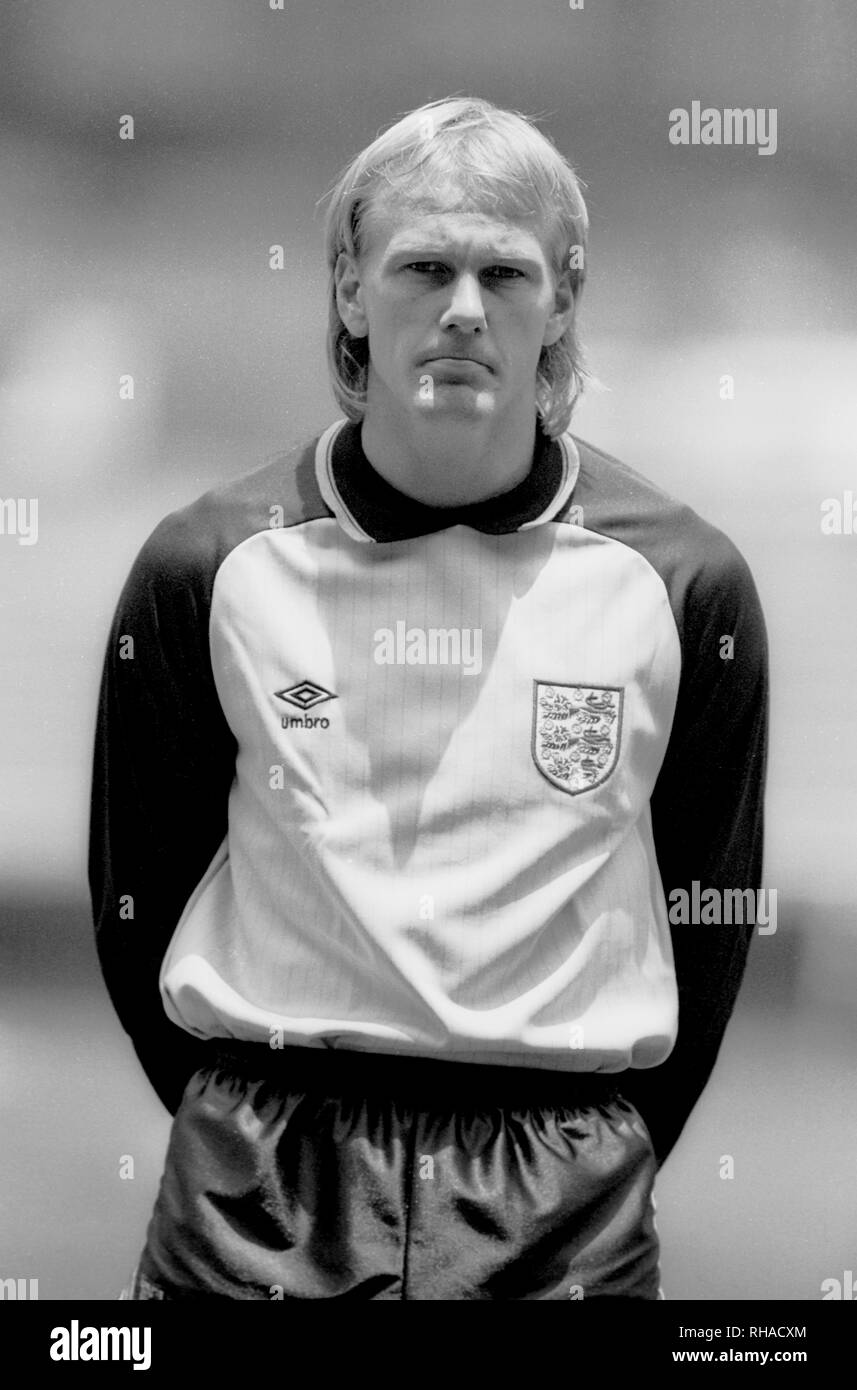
x,y
423,726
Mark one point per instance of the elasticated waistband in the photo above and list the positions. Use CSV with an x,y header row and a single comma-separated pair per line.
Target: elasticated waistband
x,y
416,1079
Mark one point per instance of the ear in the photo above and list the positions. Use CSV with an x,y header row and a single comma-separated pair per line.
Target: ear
x,y
563,310
349,295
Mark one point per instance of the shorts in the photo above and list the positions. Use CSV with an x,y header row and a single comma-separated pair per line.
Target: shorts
x,y
312,1173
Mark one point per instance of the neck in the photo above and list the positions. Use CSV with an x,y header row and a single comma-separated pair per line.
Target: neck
x,y
447,463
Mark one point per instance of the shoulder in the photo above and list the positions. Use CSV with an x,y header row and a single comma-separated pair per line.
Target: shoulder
x,y
190,544
697,562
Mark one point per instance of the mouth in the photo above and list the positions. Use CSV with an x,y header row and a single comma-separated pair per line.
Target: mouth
x,y
456,362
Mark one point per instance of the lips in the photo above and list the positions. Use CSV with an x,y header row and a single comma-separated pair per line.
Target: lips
x,y
449,358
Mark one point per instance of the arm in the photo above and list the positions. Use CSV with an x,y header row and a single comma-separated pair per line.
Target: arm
x,y
164,763
707,815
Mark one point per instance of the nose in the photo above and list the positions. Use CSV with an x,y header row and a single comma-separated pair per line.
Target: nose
x,y
466,311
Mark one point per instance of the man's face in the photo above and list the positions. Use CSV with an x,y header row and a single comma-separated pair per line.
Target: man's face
x,y
457,307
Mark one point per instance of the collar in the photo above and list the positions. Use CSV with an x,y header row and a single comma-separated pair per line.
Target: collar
x,y
368,508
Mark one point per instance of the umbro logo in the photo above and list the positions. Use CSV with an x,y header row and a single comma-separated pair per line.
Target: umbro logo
x,y
305,696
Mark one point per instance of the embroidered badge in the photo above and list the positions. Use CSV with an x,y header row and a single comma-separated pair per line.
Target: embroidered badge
x,y
306,694
576,733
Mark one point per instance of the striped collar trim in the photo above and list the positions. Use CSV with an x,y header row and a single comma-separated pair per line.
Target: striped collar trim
x,y
368,508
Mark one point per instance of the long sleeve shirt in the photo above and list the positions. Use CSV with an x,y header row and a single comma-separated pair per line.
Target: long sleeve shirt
x,y
372,774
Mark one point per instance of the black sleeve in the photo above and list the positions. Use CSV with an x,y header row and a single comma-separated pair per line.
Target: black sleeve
x,y
707,815
164,763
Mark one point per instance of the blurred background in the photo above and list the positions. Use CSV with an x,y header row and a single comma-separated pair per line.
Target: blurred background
x,y
149,257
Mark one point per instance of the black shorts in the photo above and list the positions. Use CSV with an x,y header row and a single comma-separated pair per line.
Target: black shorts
x,y
305,1173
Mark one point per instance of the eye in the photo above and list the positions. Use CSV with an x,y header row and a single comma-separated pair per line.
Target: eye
x,y
505,272
426,267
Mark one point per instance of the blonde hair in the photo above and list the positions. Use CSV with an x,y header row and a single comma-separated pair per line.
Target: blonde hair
x,y
485,158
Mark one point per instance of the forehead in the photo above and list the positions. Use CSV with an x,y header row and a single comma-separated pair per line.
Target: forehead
x,y
391,229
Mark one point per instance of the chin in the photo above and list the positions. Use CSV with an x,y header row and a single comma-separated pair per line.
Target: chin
x,y
454,404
